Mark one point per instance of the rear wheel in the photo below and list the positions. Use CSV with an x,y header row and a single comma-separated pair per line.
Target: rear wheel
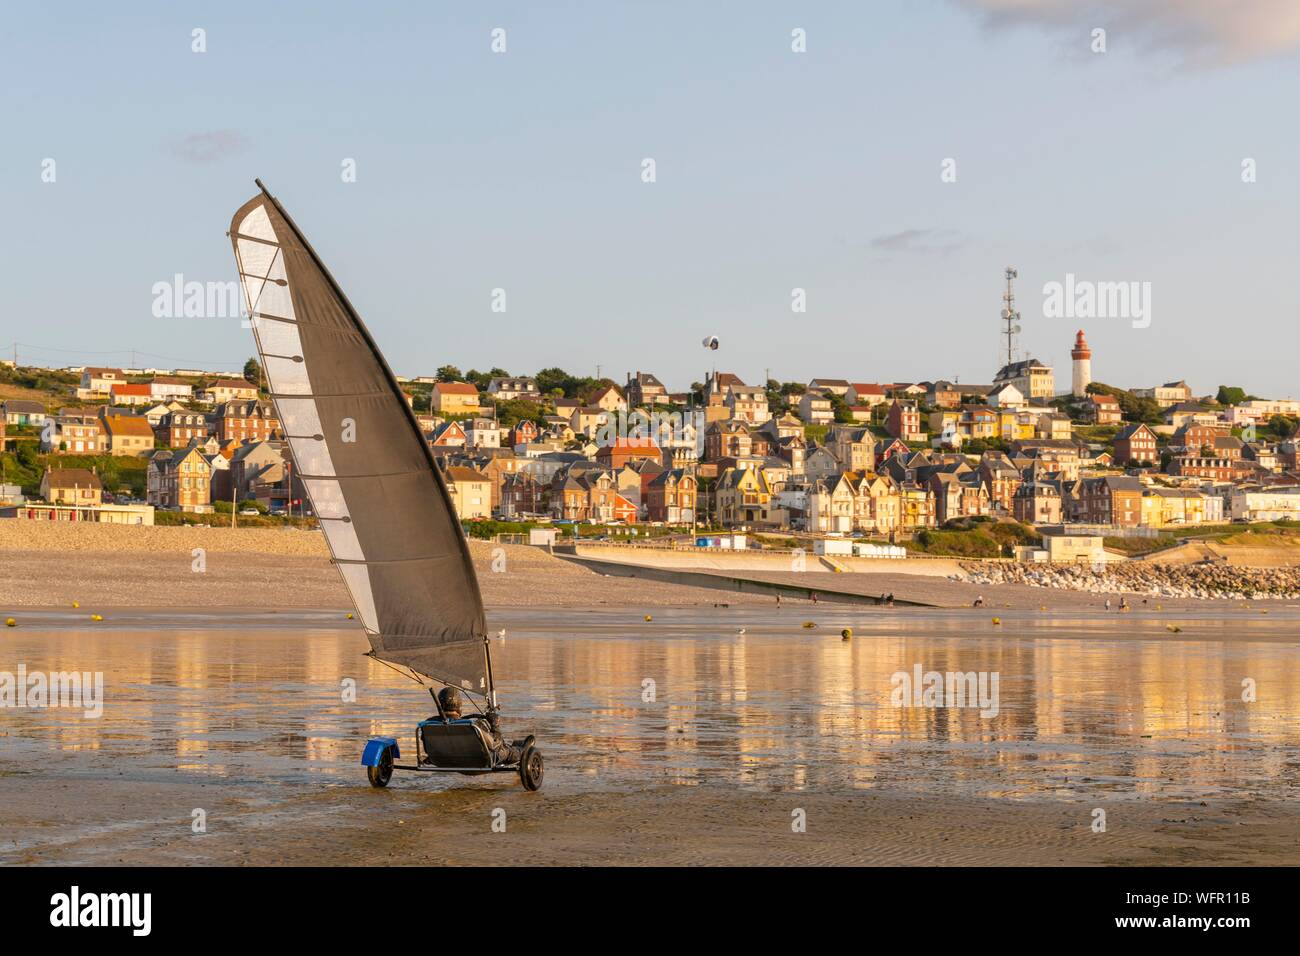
x,y
531,769
380,774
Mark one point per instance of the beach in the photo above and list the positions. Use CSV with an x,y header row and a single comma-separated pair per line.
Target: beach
x,y
753,722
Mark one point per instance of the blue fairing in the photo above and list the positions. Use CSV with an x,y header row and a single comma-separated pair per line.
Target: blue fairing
x,y
375,748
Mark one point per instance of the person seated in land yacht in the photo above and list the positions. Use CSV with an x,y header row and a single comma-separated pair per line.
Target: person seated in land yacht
x,y
449,701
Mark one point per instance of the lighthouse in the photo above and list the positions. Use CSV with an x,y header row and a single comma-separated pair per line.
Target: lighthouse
x,y
1082,356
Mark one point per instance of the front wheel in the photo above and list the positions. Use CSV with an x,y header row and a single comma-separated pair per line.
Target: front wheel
x,y
380,774
531,769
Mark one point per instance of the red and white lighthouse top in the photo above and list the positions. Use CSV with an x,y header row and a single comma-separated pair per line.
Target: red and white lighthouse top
x,y
1081,350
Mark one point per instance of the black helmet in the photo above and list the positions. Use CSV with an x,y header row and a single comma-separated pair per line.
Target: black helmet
x,y
449,701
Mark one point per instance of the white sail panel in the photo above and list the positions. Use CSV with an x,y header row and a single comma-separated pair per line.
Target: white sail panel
x,y
258,225
312,456
326,498
357,578
286,376
278,338
343,540
298,417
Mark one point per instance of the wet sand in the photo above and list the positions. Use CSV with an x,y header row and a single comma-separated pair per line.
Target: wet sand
x,y
241,715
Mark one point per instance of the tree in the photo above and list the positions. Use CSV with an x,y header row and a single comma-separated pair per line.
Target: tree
x,y
448,373
253,372
1230,395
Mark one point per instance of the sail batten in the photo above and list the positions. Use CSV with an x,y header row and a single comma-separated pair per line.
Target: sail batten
x,y
385,510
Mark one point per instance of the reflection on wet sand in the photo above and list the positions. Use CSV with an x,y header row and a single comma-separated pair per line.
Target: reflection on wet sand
x,y
1087,704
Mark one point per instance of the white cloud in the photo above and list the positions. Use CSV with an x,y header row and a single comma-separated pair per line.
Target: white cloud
x,y
1199,32
200,149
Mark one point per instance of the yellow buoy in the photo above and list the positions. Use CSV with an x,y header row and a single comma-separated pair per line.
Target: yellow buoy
x,y
349,617
10,622
96,617
846,633
76,604
1173,628
997,620
809,624
649,618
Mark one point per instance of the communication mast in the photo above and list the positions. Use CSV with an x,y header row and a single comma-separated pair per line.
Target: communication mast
x,y
1010,317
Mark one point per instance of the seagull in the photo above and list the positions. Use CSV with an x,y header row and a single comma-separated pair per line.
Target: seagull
x,y
502,633
741,631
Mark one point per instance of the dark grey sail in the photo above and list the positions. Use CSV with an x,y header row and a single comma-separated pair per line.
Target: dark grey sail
x,y
358,449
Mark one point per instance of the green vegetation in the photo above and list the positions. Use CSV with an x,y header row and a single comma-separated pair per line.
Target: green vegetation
x,y
980,537
1132,408
52,381
1139,546
26,466
815,434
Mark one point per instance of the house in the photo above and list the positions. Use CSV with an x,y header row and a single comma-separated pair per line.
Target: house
x,y
245,420
127,435
1199,466
522,495
1114,500
155,413
1054,426
166,387
904,420
854,447
227,390
943,394
19,411
75,434
483,433
128,395
834,386
1259,504
1102,410
455,398
1031,377
1136,445
831,505
669,496
1005,395
509,388
747,403
865,394
72,486
257,464
180,480
471,492
743,497
98,382
1001,480
1194,438
623,450
523,432
449,434
815,408
1170,393
1037,502
176,429
1172,507
608,399
1189,413
588,420
644,389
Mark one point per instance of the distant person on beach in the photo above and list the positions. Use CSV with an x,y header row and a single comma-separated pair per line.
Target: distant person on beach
x,y
890,600
1123,604
778,600
979,601
1108,604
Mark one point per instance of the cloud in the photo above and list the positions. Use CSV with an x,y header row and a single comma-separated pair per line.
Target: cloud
x,y
918,241
199,149
1201,33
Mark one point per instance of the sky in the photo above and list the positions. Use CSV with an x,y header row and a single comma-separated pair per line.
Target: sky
x,y
774,170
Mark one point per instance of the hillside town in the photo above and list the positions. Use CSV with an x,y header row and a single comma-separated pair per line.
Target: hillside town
x,y
832,456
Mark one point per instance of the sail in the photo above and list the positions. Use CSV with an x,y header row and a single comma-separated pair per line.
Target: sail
x,y
359,452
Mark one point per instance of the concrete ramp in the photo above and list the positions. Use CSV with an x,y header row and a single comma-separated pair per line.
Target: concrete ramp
x,y
738,583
